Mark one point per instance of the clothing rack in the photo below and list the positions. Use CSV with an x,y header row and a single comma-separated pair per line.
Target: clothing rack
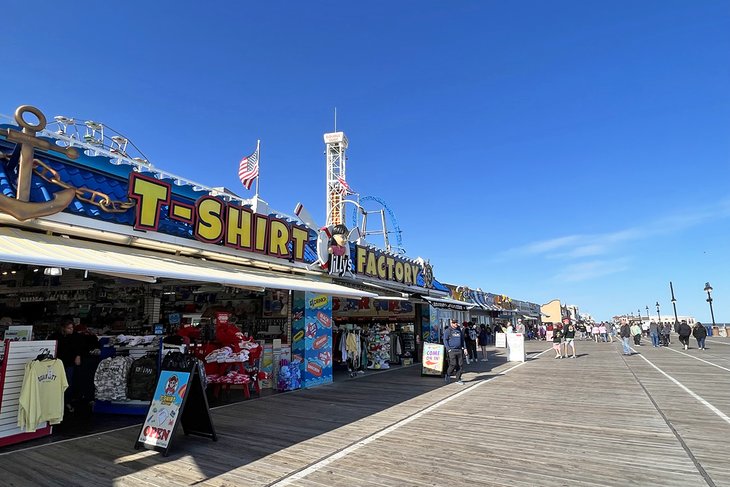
x,y
131,406
17,355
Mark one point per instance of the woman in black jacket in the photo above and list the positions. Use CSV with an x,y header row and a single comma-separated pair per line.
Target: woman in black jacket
x,y
700,333
684,331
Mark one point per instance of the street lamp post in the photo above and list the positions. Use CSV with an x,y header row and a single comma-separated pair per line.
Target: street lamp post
x,y
658,316
708,290
674,304
647,314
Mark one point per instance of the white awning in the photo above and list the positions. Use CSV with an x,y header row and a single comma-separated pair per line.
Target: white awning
x,y
447,303
23,247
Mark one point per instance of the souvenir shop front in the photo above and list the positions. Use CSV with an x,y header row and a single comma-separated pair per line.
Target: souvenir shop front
x,y
141,260
439,313
373,334
386,331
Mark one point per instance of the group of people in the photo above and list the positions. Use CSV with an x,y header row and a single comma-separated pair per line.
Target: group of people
x,y
583,331
564,337
460,343
698,331
660,334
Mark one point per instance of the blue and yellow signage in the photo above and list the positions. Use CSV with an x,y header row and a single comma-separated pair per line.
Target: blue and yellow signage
x,y
381,265
216,222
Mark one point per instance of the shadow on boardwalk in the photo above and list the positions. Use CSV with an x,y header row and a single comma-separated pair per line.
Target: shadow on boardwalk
x,y
301,425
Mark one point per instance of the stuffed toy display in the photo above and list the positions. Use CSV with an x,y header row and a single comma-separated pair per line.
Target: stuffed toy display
x,y
189,334
290,376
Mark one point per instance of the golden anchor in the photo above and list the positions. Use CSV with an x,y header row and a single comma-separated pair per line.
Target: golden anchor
x,y
20,207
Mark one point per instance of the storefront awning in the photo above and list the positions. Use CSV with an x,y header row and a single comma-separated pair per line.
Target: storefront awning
x,y
480,301
22,247
447,303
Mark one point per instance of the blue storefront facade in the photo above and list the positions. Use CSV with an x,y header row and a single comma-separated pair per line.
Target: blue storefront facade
x,y
69,205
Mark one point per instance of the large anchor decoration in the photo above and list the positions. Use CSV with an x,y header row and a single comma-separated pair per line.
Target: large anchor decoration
x,y
20,207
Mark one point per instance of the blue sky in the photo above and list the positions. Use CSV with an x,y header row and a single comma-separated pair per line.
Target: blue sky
x,y
569,149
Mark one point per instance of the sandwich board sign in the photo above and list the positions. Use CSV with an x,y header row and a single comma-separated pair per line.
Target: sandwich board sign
x,y
515,347
179,399
433,359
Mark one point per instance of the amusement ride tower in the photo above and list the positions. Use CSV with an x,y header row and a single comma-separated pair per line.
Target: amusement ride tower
x,y
336,148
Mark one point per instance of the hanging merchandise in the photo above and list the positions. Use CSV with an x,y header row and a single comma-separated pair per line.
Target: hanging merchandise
x,y
353,351
111,378
379,348
143,378
41,395
396,348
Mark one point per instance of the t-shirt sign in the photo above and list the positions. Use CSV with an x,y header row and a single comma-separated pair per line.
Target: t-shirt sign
x,y
433,359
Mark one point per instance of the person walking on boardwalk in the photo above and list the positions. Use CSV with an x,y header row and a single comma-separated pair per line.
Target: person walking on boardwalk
x,y
454,344
654,333
569,331
558,341
611,331
470,342
483,341
684,331
625,334
595,331
700,333
520,327
666,334
645,329
636,333
603,332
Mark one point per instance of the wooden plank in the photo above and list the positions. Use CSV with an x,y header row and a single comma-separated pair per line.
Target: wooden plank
x,y
517,429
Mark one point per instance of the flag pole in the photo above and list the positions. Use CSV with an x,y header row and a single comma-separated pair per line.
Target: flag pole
x,y
258,151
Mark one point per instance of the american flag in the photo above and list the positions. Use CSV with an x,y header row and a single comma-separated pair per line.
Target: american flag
x,y
248,169
345,187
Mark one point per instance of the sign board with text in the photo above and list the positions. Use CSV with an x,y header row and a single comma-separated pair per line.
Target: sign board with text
x,y
515,347
179,399
432,359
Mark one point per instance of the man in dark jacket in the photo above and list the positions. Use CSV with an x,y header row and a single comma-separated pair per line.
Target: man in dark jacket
x,y
69,351
454,344
625,334
684,331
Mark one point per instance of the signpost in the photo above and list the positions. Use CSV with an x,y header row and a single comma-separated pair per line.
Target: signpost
x,y
179,399
515,347
432,359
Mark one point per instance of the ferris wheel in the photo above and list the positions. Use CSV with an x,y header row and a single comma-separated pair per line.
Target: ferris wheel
x,y
360,220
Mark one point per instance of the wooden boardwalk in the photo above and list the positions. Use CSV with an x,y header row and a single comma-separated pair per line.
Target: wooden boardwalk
x,y
659,418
